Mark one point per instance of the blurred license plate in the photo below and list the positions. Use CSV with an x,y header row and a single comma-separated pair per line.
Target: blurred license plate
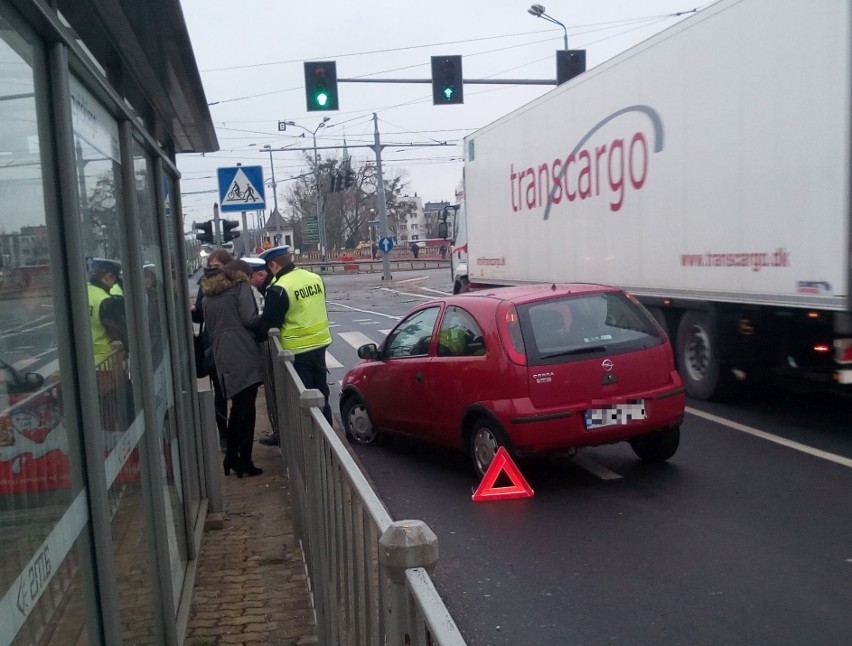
x,y
615,415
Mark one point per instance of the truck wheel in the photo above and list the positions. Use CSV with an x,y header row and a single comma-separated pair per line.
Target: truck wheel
x,y
485,439
698,354
460,286
357,423
658,446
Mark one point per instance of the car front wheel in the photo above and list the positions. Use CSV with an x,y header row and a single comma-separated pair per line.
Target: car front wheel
x,y
485,439
657,446
357,423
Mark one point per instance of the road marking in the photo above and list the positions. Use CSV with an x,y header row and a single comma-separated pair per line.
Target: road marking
x,y
594,468
355,339
396,291
356,309
804,448
416,279
331,362
435,291
385,332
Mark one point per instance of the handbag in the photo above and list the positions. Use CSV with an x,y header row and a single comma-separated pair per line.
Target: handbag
x,y
203,354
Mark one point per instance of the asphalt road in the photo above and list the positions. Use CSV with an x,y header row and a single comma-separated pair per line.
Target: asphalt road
x,y
744,537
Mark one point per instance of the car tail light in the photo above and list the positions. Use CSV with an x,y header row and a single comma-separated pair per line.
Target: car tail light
x,y
510,333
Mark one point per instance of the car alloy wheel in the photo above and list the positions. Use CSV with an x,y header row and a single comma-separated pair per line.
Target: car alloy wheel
x,y
485,439
357,423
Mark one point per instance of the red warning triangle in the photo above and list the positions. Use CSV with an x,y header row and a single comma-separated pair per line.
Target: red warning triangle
x,y
502,463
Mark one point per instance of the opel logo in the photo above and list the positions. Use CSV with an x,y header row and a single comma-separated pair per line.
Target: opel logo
x,y
606,364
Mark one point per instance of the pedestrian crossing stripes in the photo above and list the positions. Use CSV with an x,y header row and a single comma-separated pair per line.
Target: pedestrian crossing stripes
x,y
356,340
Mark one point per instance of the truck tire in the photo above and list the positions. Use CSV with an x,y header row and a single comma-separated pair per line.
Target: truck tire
x,y
460,286
697,354
658,446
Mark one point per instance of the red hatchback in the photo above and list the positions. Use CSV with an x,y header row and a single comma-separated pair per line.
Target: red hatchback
x,y
540,368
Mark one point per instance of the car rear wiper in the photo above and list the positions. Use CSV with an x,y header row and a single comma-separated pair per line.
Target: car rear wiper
x,y
568,353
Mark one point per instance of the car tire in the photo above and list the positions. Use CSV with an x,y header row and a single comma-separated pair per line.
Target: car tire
x,y
698,355
657,446
357,422
485,438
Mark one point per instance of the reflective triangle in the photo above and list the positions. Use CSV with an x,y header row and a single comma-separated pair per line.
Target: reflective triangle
x,y
242,191
502,463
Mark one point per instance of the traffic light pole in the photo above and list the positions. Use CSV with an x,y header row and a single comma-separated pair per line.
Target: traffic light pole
x,y
380,197
217,231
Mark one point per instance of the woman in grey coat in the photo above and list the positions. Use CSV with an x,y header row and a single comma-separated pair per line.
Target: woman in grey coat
x,y
229,314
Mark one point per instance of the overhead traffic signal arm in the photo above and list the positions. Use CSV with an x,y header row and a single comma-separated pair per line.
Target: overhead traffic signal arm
x,y
228,232
447,82
321,86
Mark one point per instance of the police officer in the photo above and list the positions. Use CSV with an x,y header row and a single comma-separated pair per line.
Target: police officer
x,y
295,303
106,309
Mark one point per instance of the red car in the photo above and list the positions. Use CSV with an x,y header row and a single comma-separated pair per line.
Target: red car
x,y
540,368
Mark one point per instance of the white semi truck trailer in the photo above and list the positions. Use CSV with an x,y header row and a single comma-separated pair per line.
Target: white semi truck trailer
x,y
707,171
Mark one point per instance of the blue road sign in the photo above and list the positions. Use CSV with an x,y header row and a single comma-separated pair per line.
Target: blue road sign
x,y
241,189
386,244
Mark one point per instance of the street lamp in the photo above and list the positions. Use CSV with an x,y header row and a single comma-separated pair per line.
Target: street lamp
x,y
537,10
320,215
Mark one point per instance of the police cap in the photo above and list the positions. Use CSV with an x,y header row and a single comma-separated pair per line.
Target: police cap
x,y
256,264
271,254
103,265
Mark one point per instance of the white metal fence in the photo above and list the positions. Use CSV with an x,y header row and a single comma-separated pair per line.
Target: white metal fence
x,y
369,574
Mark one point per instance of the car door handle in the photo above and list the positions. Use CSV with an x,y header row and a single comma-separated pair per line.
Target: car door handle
x,y
419,378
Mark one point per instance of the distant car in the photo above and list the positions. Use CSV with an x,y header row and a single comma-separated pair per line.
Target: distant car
x,y
543,368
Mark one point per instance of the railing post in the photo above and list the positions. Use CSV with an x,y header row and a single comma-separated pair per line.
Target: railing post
x,y
405,544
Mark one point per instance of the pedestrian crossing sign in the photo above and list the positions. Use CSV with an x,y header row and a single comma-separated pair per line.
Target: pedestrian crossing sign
x,y
241,189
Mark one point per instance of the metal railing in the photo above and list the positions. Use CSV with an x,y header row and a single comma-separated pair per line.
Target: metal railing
x,y
369,574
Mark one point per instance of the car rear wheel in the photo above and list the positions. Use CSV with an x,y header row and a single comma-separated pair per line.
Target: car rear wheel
x,y
658,446
357,423
485,438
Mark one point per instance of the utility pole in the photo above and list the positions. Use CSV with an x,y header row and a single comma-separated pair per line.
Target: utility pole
x,y
217,236
380,197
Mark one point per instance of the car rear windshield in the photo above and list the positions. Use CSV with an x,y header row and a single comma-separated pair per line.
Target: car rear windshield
x,y
584,326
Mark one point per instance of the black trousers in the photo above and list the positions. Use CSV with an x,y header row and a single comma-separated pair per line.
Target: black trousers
x,y
241,426
220,404
311,368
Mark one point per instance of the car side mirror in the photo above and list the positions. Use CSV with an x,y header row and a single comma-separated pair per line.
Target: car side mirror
x,y
33,380
442,229
368,351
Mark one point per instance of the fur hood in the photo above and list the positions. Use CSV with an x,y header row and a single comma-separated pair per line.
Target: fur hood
x,y
220,281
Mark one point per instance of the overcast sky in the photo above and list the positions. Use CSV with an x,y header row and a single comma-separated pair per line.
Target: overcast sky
x,y
250,55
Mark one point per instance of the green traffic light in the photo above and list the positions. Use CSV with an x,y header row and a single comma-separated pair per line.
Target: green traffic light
x,y
448,93
321,99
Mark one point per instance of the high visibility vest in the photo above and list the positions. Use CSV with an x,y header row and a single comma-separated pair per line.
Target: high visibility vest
x,y
306,320
100,340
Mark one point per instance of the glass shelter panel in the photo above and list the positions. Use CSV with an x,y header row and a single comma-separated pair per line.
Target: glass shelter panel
x,y
168,460
43,509
103,227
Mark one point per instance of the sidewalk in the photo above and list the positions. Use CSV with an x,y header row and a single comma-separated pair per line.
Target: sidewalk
x,y
251,586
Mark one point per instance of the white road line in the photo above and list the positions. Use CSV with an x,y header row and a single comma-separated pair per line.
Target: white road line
x,y
355,339
361,320
804,448
435,291
416,279
396,291
385,332
331,362
594,468
356,309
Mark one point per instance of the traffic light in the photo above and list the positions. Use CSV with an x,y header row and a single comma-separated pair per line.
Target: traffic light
x,y
228,232
569,63
349,179
334,182
447,86
321,85
207,228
